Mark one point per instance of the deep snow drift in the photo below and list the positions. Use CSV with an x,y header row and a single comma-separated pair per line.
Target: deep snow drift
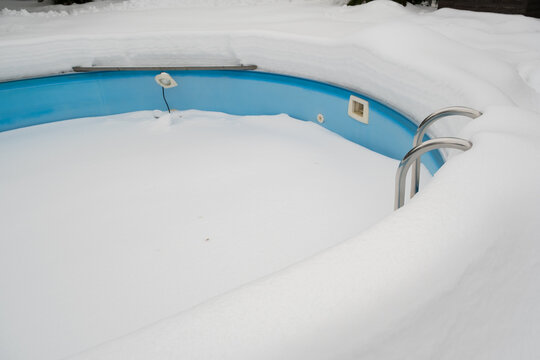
x,y
111,224
452,275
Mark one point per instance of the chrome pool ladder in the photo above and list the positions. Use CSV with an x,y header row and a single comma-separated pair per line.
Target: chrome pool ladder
x,y
412,158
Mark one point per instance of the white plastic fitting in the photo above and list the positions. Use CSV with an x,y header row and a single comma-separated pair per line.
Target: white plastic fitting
x,y
165,80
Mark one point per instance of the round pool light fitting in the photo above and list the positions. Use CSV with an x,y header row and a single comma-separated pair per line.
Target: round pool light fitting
x,y
320,118
165,80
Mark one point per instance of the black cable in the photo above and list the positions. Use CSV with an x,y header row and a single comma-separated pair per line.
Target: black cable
x,y
166,103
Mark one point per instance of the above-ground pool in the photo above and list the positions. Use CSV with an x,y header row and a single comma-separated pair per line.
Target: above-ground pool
x,y
112,222
42,100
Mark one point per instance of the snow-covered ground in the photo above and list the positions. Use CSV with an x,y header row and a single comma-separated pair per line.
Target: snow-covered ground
x,y
451,275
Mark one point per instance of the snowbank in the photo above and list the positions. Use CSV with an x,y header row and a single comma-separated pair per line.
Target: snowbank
x,y
451,275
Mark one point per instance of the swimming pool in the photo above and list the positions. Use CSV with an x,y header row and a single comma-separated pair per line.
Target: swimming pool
x,y
117,221
42,100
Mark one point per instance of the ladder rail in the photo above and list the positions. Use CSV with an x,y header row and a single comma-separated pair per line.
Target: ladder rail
x,y
421,132
414,155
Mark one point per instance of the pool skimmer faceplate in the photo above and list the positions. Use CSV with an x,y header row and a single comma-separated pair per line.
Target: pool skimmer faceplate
x,y
358,109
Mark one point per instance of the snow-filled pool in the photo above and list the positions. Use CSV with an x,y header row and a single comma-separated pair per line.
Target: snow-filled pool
x,y
118,221
452,275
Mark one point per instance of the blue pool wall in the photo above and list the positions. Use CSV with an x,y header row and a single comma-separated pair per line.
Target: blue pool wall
x,y
43,100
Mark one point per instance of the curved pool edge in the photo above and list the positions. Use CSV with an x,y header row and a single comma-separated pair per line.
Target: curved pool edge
x,y
74,95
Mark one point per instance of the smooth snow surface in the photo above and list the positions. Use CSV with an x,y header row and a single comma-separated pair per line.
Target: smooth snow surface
x,y
452,275
110,224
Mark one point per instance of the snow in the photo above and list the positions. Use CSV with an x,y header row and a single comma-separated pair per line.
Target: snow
x,y
450,275
177,210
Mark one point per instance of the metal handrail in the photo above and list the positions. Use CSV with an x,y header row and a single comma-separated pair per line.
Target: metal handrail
x,y
415,153
422,129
